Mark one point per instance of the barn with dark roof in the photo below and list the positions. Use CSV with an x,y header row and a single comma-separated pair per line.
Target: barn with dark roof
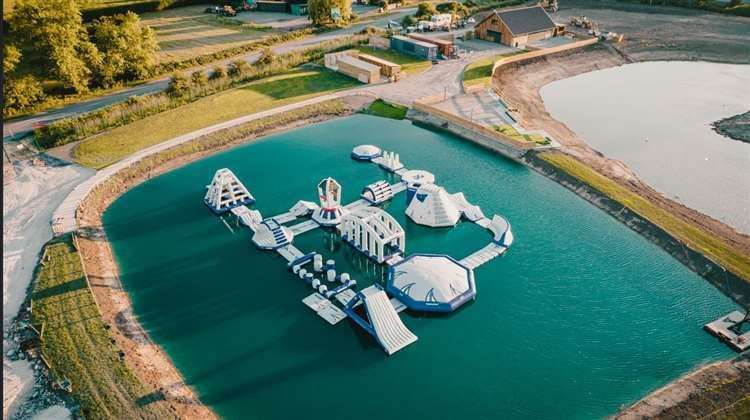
x,y
516,27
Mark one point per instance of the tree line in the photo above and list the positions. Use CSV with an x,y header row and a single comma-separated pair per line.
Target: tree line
x,y
48,47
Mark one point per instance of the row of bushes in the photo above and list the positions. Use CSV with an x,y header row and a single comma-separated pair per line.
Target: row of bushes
x,y
181,91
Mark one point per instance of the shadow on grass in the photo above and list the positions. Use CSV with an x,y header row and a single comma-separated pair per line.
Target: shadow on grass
x,y
304,83
60,289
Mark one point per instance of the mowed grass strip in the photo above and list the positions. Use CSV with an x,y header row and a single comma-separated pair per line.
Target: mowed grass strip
x,y
509,131
409,64
385,109
109,147
480,72
695,237
77,345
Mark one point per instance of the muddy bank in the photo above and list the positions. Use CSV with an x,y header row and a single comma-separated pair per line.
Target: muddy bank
x,y
714,391
736,127
145,357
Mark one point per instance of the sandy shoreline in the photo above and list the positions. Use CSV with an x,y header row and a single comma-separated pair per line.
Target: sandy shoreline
x,y
143,356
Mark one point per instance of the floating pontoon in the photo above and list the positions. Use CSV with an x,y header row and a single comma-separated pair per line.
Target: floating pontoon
x,y
366,152
728,329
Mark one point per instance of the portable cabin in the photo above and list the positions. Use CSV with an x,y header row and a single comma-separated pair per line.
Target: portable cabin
x,y
358,69
273,6
516,27
387,68
413,47
444,46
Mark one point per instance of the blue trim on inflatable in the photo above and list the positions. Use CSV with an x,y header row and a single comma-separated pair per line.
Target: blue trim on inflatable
x,y
301,260
425,306
246,202
349,309
357,156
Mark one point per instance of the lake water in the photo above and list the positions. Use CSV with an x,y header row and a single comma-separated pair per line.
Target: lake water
x,y
656,117
581,316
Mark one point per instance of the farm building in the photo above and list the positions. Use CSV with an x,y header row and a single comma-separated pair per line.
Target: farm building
x,y
348,63
414,47
444,46
516,27
387,68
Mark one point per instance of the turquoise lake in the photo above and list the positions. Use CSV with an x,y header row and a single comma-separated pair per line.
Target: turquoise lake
x,y
581,316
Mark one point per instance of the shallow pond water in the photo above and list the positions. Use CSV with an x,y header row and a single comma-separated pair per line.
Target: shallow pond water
x,y
581,316
656,117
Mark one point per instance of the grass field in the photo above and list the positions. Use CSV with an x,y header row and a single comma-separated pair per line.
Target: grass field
x,y
480,72
409,64
77,344
511,132
385,109
690,234
187,32
298,85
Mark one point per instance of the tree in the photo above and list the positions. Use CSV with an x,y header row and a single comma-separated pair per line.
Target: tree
x,y
425,10
198,78
54,32
179,86
237,68
320,10
735,3
11,57
266,56
409,20
127,48
217,73
454,8
21,93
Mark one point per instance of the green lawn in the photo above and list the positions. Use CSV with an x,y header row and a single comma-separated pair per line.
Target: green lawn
x,y
78,346
480,72
409,64
695,237
509,131
385,109
109,147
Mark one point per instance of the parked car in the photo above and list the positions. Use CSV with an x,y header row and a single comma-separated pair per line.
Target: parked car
x,y
471,21
215,10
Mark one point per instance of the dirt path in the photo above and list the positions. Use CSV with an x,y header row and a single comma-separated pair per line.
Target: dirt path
x,y
38,187
519,85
